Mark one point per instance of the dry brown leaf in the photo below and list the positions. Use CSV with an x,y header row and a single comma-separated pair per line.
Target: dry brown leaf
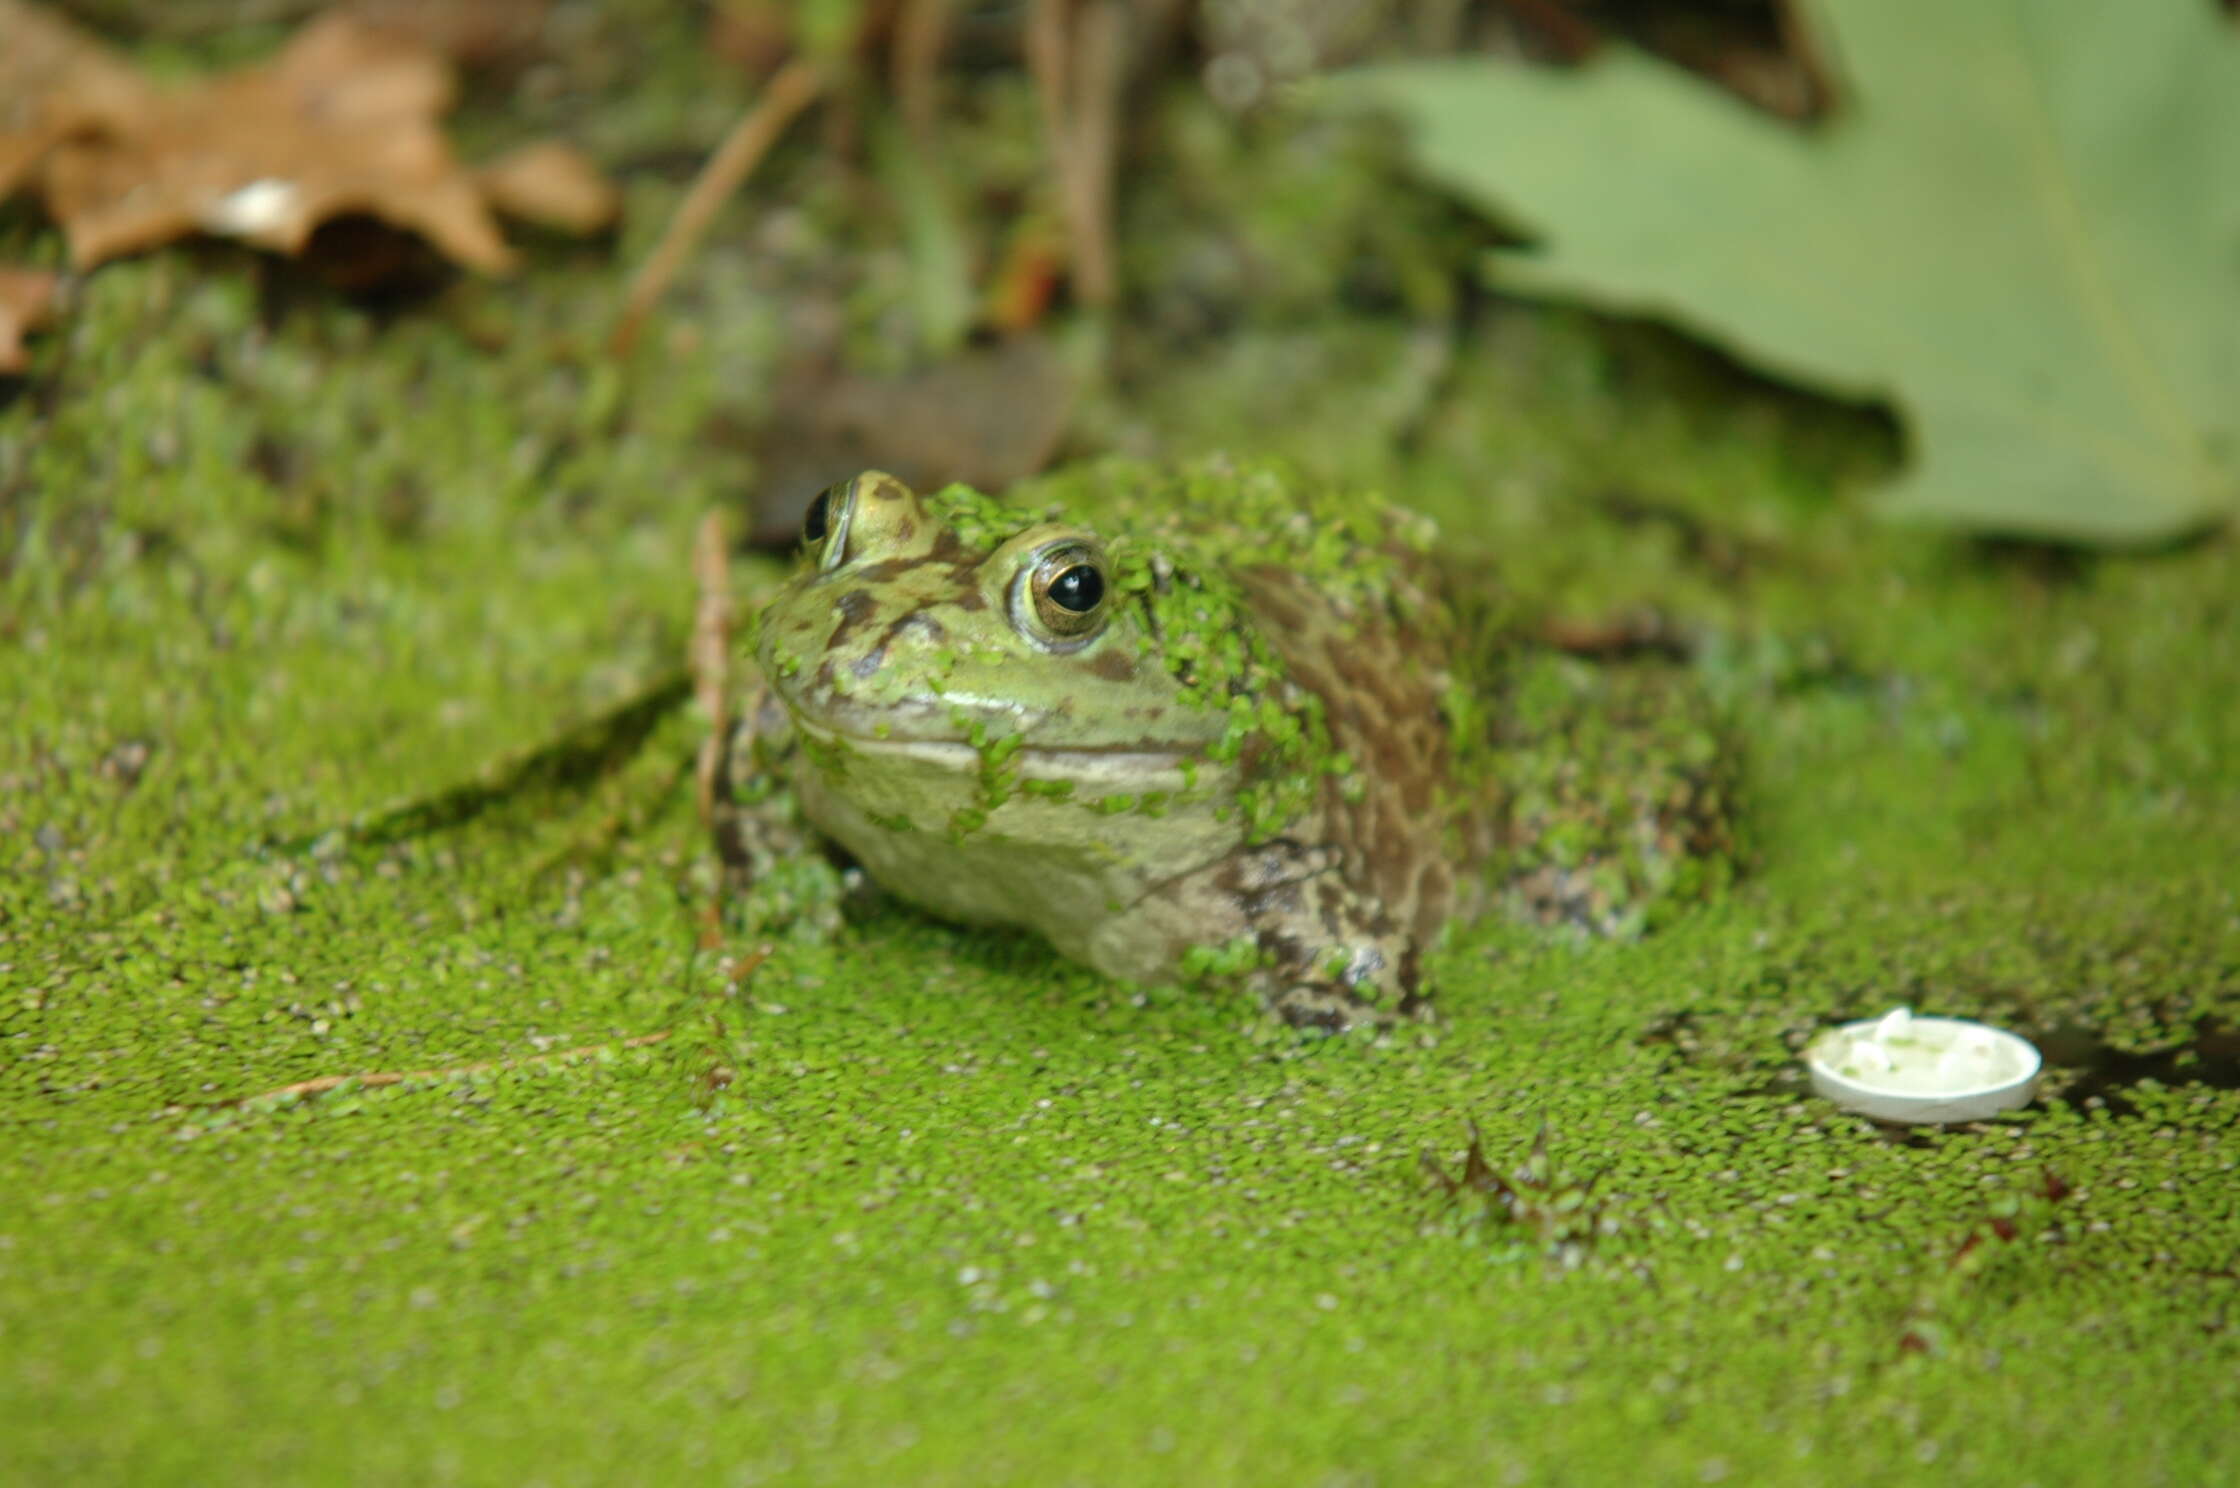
x,y
27,301
552,185
342,122
476,32
54,81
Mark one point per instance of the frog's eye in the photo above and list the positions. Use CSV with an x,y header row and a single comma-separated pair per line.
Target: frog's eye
x,y
1061,596
824,526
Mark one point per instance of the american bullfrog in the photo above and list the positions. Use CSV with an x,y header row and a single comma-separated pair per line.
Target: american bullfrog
x,y
1216,725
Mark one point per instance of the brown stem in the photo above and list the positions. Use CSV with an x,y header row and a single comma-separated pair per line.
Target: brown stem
x,y
710,656
1573,37
1823,87
921,38
794,88
1046,63
1079,68
1100,49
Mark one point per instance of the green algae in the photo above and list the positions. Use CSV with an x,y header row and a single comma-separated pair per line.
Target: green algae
x,y
1623,786
336,741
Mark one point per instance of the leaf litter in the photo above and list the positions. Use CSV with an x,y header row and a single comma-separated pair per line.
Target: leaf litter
x,y
2023,230
27,302
344,121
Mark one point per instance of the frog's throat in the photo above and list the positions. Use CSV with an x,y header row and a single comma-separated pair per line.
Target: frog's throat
x,y
1117,767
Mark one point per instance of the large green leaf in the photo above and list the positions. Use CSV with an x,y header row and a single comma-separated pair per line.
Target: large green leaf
x,y
2023,230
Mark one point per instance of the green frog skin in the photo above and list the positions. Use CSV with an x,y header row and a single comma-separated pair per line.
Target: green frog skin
x,y
1205,726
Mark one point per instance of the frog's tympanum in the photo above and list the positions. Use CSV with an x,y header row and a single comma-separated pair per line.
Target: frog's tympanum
x,y
1212,726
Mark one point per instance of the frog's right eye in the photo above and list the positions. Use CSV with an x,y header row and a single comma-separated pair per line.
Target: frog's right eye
x,y
824,526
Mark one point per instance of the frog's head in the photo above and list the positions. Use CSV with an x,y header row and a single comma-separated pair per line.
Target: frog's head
x,y
951,635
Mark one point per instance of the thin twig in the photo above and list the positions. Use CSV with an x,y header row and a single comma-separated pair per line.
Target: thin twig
x,y
794,88
709,662
1046,63
1049,46
1099,71
1574,37
374,1079
1079,65
1823,80
710,657
921,37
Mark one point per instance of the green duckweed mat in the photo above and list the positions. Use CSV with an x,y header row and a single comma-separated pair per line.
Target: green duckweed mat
x,y
343,734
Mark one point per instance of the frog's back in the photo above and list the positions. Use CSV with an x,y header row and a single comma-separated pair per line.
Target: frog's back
x,y
1313,614
1411,827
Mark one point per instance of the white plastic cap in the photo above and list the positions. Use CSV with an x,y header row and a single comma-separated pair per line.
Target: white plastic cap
x,y
1924,1070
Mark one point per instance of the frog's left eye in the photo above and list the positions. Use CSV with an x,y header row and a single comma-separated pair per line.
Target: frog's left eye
x,y
1061,596
824,526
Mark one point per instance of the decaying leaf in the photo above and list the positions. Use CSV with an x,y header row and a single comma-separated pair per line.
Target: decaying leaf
x,y
56,81
2024,232
552,185
27,299
342,121
469,31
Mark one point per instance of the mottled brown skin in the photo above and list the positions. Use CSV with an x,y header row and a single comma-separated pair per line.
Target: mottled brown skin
x,y
1380,870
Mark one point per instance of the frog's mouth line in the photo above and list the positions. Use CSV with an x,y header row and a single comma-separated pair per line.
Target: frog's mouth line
x,y
1118,768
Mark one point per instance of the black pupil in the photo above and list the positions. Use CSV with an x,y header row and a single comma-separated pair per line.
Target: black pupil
x,y
813,521
1078,589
